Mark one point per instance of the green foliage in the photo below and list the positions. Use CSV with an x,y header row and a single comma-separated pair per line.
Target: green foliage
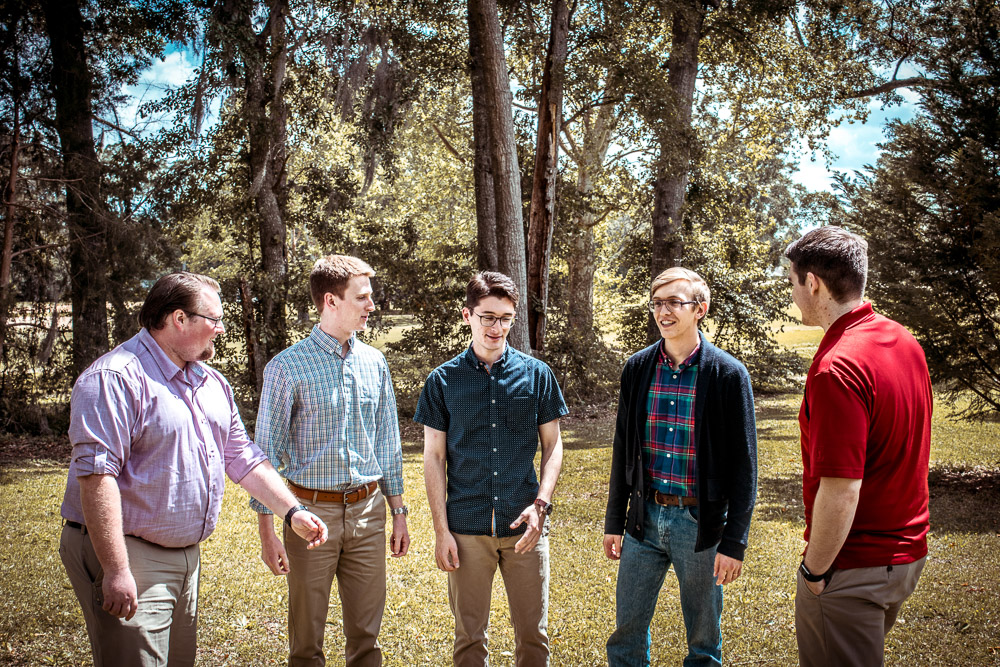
x,y
929,208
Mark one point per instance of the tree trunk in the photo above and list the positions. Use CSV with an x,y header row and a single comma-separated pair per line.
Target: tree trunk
x,y
265,57
675,151
506,176
71,83
582,260
482,168
9,197
542,216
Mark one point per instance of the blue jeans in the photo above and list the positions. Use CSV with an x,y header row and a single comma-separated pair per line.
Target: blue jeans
x,y
670,534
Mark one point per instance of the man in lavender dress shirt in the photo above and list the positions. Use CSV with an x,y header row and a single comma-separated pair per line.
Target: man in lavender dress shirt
x,y
154,433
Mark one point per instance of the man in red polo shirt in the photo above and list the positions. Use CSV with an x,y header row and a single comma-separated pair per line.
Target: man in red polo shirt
x,y
865,422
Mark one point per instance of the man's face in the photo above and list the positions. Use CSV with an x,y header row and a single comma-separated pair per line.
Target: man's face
x,y
679,322
801,296
199,332
352,311
489,338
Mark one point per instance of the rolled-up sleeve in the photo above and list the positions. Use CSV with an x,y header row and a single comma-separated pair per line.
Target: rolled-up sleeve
x,y
104,411
240,453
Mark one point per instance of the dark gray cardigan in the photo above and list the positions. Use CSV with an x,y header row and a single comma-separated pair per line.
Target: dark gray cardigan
x,y
725,450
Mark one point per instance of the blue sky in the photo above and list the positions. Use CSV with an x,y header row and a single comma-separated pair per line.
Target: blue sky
x,y
853,145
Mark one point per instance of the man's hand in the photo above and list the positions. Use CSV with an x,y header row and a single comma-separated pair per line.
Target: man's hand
x,y
446,552
121,598
310,528
816,587
533,519
272,551
613,546
726,569
399,541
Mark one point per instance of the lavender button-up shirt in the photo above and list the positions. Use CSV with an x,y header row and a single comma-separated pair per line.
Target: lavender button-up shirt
x,y
169,435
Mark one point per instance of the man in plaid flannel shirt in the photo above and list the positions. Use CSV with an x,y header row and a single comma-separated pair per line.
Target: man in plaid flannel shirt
x,y
683,476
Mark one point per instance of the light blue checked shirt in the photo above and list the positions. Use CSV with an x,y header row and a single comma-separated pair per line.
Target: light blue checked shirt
x,y
327,422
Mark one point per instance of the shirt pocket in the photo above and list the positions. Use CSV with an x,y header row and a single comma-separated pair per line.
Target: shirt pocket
x,y
521,414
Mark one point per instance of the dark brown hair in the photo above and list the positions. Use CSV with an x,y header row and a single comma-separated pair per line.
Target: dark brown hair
x,y
490,283
836,256
331,275
174,291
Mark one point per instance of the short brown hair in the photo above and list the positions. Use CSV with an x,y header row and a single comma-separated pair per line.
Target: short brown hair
x,y
838,257
174,291
331,274
490,283
699,287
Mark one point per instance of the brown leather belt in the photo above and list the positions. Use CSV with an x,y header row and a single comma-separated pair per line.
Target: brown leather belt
x,y
676,501
346,497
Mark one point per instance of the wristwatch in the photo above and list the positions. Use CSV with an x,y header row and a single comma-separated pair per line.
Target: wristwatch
x,y
288,517
543,506
809,576
400,510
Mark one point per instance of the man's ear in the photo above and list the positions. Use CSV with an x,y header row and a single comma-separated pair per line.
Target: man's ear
x,y
813,283
466,313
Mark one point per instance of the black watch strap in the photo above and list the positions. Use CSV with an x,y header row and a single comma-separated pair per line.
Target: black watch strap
x,y
288,517
809,576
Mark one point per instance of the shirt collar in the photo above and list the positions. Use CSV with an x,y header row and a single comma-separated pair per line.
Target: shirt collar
x,y
192,371
691,360
849,319
331,344
474,361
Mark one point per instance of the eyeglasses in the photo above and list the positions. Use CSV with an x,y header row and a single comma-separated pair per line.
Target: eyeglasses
x,y
507,321
216,321
670,304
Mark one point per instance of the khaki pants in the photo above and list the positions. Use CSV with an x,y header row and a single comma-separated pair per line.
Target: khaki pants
x,y
847,623
355,555
164,630
470,588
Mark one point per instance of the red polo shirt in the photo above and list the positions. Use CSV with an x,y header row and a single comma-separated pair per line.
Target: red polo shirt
x,y
866,415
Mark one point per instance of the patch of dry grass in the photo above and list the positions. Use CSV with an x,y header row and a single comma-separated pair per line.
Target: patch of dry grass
x,y
952,619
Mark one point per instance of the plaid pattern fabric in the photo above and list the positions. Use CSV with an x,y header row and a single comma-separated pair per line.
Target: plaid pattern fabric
x,y
330,423
668,451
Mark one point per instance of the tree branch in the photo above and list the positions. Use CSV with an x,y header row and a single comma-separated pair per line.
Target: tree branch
x,y
892,85
447,144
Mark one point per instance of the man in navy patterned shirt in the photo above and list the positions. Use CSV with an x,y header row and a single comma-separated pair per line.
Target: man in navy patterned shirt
x,y
327,421
683,476
484,413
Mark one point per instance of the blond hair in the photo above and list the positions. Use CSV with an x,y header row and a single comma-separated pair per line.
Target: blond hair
x,y
699,287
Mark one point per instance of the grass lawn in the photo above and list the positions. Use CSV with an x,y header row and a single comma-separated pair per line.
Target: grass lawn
x,y
952,619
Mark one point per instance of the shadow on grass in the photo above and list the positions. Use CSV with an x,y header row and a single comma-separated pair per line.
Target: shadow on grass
x,y
962,500
965,499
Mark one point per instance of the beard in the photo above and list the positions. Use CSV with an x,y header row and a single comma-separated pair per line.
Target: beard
x,y
207,353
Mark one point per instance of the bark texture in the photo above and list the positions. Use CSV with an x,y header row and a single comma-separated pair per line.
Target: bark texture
x,y
482,167
86,214
542,216
506,175
675,158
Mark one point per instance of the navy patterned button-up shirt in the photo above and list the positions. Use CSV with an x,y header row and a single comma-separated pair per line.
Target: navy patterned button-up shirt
x,y
491,419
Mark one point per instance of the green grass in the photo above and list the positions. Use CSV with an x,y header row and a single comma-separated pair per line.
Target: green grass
x,y
952,619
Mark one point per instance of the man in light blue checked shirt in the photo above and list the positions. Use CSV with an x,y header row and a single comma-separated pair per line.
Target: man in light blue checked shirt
x,y
327,421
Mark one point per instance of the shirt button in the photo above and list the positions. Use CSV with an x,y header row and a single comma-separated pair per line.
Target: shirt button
x,y
495,473
671,429
671,402
675,377
494,449
493,401
494,425
495,498
668,456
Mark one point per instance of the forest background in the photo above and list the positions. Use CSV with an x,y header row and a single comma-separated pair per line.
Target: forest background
x,y
579,146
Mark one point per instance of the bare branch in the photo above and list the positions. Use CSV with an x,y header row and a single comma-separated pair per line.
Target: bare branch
x,y
113,126
447,144
889,86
